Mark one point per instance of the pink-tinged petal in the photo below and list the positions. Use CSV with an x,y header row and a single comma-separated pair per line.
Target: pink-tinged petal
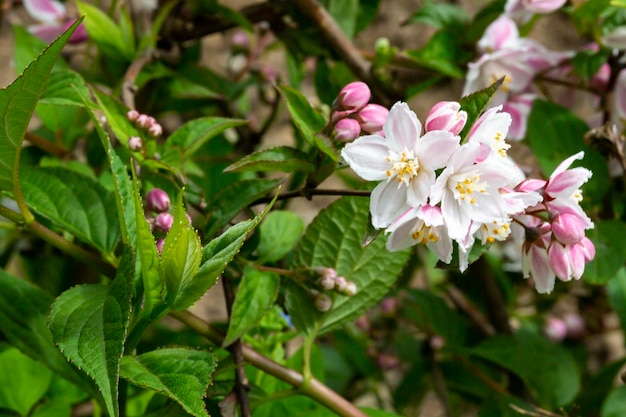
x,y
517,202
435,148
402,127
519,108
45,10
568,228
589,250
563,166
47,32
79,35
559,261
543,6
419,188
442,248
366,156
530,185
400,232
500,34
567,182
540,270
387,203
431,215
619,97
577,261
464,156
570,206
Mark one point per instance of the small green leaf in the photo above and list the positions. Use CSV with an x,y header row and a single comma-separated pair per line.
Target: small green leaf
x,y
333,240
256,294
22,380
476,103
609,238
440,54
89,324
181,257
182,374
105,33
615,404
440,15
234,198
306,119
17,104
280,232
281,158
79,204
548,369
24,310
586,63
192,135
345,13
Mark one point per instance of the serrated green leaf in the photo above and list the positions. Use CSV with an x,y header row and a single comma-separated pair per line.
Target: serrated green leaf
x,y
234,198
280,232
27,48
24,310
89,324
22,381
280,158
17,104
180,258
609,238
333,240
215,256
192,135
476,103
306,119
61,89
548,369
79,204
105,33
182,374
256,294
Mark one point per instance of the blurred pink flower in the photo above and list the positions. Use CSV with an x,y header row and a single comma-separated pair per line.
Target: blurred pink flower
x,y
54,21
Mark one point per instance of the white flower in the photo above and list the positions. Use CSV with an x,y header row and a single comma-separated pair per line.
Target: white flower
x,y
403,160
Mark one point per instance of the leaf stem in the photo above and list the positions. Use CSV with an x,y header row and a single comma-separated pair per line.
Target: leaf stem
x,y
314,389
59,242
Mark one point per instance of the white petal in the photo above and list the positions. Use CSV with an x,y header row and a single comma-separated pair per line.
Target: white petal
x,y
435,148
45,10
419,188
366,156
402,127
387,203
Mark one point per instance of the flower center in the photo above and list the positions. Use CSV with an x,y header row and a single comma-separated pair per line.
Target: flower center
x,y
424,234
498,230
499,144
467,187
404,166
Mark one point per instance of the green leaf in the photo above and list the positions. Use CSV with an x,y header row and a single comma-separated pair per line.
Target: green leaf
x,y
105,33
64,88
345,13
440,15
27,48
89,324
115,113
431,314
476,103
609,238
440,54
548,369
596,388
180,258
333,240
586,63
234,198
22,381
24,310
256,294
280,232
616,291
17,104
615,404
192,135
306,119
182,374
79,204
280,158
215,256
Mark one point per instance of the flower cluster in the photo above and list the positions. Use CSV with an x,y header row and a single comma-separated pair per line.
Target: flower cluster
x,y
327,281
158,203
437,191
143,121
353,115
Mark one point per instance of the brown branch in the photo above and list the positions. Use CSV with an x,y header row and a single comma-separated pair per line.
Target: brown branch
x,y
496,306
45,145
338,41
476,316
129,89
313,388
439,381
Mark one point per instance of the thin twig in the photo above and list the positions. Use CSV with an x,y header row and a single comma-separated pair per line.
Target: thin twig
x,y
337,40
129,89
496,306
310,192
441,390
45,145
313,389
241,382
466,306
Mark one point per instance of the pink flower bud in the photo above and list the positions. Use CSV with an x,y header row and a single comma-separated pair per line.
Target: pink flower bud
x,y
135,143
437,342
588,249
164,222
159,245
132,115
568,228
326,272
567,262
240,42
575,325
346,130
351,289
372,117
543,6
389,306
157,200
341,284
363,323
155,130
353,96
555,329
387,361
326,283
447,116
322,302
143,121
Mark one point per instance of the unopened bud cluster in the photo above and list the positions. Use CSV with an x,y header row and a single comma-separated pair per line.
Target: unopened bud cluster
x,y
158,203
327,281
353,115
143,121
